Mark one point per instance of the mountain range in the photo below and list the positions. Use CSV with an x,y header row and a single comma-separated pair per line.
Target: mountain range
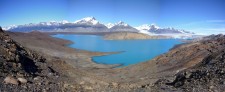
x,y
90,24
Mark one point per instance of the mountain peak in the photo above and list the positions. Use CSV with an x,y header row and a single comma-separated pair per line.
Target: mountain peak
x,y
89,20
147,27
64,21
144,27
154,26
110,25
121,23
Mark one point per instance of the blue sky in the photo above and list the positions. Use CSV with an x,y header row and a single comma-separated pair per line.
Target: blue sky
x,y
200,16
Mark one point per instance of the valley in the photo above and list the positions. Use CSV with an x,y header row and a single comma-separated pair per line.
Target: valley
x,y
74,64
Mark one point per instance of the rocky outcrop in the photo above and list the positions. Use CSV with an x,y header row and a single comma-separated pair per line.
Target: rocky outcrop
x,y
130,36
19,66
207,74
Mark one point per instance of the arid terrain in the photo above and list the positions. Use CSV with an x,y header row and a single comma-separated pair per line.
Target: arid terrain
x,y
194,66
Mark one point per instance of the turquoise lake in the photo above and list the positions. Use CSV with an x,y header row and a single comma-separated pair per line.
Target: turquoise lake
x,y
133,51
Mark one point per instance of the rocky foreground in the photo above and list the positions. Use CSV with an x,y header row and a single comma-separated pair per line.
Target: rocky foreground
x,y
197,66
208,74
24,70
131,36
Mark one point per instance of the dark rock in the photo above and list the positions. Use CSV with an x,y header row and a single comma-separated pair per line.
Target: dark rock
x,y
23,64
1,29
207,75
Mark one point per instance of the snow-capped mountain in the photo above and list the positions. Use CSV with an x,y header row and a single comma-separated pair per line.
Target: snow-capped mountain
x,y
85,24
121,26
154,29
147,27
64,22
9,27
121,23
87,20
91,24
109,25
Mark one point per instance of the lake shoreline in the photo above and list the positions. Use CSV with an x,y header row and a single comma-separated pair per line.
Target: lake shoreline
x,y
147,49
68,42
61,44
